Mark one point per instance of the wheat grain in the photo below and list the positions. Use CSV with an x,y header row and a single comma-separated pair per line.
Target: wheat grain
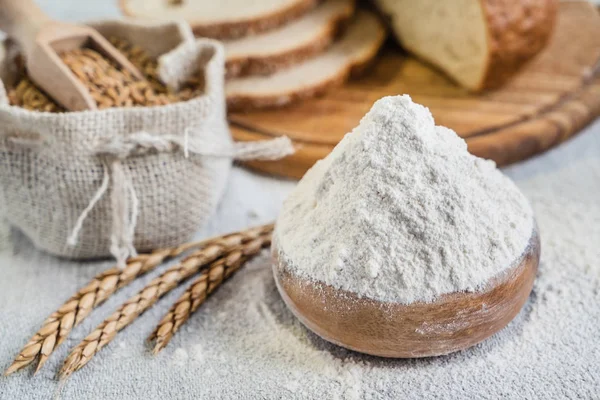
x,y
203,286
59,324
109,85
132,308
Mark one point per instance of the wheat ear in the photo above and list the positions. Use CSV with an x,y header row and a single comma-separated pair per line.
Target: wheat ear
x,y
60,323
209,280
132,308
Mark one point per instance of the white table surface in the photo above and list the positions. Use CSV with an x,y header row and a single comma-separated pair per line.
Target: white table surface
x,y
553,363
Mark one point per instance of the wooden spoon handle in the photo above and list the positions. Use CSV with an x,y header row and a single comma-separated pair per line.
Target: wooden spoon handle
x,y
22,20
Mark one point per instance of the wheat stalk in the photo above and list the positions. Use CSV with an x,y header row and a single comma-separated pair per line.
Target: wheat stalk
x,y
204,285
57,326
132,308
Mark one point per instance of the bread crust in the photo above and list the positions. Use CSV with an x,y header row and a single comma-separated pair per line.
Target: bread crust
x,y
517,30
271,63
243,102
237,29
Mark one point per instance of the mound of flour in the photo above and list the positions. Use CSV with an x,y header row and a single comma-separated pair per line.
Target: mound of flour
x,y
401,212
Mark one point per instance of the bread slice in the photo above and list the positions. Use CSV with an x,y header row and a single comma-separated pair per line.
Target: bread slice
x,y
478,43
221,19
359,45
294,42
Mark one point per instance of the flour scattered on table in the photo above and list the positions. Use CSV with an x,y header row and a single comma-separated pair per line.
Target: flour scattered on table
x,y
180,357
400,211
198,353
4,235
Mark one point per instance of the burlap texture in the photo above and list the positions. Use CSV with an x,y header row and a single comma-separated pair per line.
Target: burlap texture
x,y
53,165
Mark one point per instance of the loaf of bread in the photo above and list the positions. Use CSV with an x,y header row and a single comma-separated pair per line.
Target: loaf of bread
x,y
297,41
221,19
478,43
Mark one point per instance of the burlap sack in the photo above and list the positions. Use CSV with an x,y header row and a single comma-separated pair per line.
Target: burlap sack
x,y
90,184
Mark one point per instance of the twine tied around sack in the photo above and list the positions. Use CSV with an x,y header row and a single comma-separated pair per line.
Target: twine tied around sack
x,y
124,202
111,152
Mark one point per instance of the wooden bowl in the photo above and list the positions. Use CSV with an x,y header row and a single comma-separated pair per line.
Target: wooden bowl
x,y
453,322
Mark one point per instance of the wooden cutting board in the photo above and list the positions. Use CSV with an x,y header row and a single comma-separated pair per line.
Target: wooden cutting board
x,y
552,99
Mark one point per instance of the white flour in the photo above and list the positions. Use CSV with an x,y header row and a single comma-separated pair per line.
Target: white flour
x,y
400,211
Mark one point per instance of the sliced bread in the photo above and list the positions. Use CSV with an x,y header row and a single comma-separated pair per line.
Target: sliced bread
x,y
478,43
294,42
221,19
359,45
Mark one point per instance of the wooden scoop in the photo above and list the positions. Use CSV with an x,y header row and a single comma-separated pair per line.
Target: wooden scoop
x,y
42,39
454,322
